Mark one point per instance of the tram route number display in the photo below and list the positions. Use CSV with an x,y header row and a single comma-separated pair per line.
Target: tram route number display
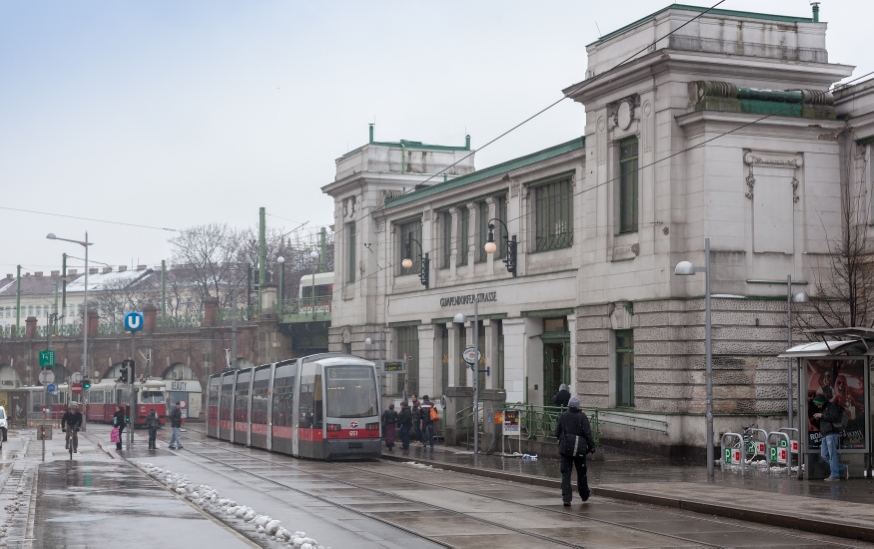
x,y
394,366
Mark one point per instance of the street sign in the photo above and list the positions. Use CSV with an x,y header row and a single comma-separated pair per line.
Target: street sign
x,y
735,455
133,322
43,432
51,388
778,454
76,388
760,448
182,404
47,358
793,446
394,366
76,377
46,377
471,355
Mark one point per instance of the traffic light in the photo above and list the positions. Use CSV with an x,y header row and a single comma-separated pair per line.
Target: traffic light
x,y
86,383
127,371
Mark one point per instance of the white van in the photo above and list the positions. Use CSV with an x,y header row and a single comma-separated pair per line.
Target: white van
x,y
4,426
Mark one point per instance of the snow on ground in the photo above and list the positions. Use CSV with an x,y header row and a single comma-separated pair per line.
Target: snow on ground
x,y
227,510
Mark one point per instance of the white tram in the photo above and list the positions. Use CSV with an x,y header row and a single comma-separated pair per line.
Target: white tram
x,y
323,406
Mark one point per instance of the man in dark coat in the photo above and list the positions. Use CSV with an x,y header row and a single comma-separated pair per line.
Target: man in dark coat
x,y
175,424
575,440
562,397
153,423
405,421
71,423
389,422
427,423
118,419
829,415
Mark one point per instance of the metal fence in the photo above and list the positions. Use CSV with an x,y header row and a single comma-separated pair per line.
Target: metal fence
x,y
314,307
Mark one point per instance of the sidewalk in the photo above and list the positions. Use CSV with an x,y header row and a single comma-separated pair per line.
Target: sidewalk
x,y
69,496
774,500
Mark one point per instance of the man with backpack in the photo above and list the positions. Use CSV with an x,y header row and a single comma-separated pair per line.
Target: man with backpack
x,y
427,413
575,440
832,420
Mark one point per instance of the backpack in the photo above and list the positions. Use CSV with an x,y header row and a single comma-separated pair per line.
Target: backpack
x,y
434,415
575,445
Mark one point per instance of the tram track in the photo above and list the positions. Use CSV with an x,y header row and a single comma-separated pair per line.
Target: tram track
x,y
438,507
503,500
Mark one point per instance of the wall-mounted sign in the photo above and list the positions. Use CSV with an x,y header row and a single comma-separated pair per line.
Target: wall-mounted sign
x,y
468,299
394,366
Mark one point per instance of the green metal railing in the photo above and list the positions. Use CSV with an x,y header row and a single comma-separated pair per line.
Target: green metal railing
x,y
634,421
534,421
306,308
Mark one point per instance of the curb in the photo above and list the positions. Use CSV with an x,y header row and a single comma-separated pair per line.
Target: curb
x,y
805,524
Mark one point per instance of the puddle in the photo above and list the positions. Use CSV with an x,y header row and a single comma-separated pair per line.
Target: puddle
x,y
79,518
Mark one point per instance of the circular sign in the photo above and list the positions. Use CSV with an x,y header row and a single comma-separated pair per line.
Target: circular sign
x,y
51,388
182,404
76,377
471,355
46,377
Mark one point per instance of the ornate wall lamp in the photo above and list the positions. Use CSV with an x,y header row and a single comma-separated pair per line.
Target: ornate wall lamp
x,y
407,262
491,247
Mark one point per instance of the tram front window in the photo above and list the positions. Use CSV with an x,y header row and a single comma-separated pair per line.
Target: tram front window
x,y
351,392
153,397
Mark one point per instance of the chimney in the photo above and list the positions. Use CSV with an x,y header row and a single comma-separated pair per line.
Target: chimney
x,y
71,272
141,267
107,270
92,270
26,274
38,273
9,275
122,268
56,273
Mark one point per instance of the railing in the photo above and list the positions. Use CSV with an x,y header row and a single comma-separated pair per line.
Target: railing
x,y
179,321
314,308
634,421
464,415
541,421
244,314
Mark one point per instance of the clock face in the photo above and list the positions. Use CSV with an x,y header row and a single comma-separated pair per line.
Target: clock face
x,y
624,115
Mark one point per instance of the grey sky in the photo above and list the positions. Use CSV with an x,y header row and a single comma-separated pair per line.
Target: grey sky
x,y
179,113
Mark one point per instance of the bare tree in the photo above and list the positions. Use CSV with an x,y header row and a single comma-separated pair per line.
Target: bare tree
x,y
844,280
124,294
205,258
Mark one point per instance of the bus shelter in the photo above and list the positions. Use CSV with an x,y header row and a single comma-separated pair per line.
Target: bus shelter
x,y
836,365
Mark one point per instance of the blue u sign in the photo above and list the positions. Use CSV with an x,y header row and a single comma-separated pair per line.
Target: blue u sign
x,y
133,322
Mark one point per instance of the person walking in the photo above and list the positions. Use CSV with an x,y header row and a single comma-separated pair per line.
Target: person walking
x,y
417,421
405,421
389,422
562,397
575,440
153,423
427,423
119,421
175,423
829,416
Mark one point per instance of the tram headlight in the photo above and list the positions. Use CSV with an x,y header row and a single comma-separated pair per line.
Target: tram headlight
x,y
373,426
334,427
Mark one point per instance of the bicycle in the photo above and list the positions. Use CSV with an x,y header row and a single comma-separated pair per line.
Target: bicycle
x,y
71,438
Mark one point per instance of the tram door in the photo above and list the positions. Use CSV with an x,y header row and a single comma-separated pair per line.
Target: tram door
x,y
555,369
226,407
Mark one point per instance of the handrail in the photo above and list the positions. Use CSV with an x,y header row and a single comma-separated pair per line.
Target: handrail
x,y
541,421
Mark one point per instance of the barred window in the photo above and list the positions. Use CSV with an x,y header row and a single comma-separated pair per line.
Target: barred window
x,y
554,215
628,185
446,226
463,235
351,260
625,368
405,231
500,232
408,349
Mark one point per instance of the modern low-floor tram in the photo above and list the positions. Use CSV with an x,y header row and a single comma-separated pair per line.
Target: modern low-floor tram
x,y
323,406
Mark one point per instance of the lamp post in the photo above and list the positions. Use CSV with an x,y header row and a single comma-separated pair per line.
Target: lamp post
x,y
491,247
84,244
459,318
281,261
407,262
800,297
686,268
314,255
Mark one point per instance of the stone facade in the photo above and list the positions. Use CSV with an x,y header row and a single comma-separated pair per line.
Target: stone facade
x,y
726,130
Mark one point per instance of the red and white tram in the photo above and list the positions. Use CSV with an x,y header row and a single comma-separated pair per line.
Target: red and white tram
x,y
323,406
102,398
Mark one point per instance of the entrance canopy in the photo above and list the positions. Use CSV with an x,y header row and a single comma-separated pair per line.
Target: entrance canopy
x,y
834,341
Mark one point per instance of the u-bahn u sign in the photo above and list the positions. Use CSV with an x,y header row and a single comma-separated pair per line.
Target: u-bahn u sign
x,y
467,299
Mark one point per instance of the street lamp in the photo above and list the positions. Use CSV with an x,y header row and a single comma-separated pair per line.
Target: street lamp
x,y
491,247
281,261
84,244
800,297
407,262
685,268
459,318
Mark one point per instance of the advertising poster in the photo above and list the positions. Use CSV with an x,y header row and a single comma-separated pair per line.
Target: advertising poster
x,y
511,421
841,382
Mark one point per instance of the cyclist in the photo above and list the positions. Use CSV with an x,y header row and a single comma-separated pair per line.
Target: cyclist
x,y
71,423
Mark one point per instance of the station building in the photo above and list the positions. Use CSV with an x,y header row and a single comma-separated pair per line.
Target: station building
x,y
723,128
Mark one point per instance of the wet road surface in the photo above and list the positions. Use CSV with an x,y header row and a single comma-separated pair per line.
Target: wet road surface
x,y
456,509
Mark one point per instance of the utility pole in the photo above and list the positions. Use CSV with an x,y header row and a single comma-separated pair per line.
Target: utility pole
x,y
234,314
262,252
163,288
64,287
18,303
133,397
